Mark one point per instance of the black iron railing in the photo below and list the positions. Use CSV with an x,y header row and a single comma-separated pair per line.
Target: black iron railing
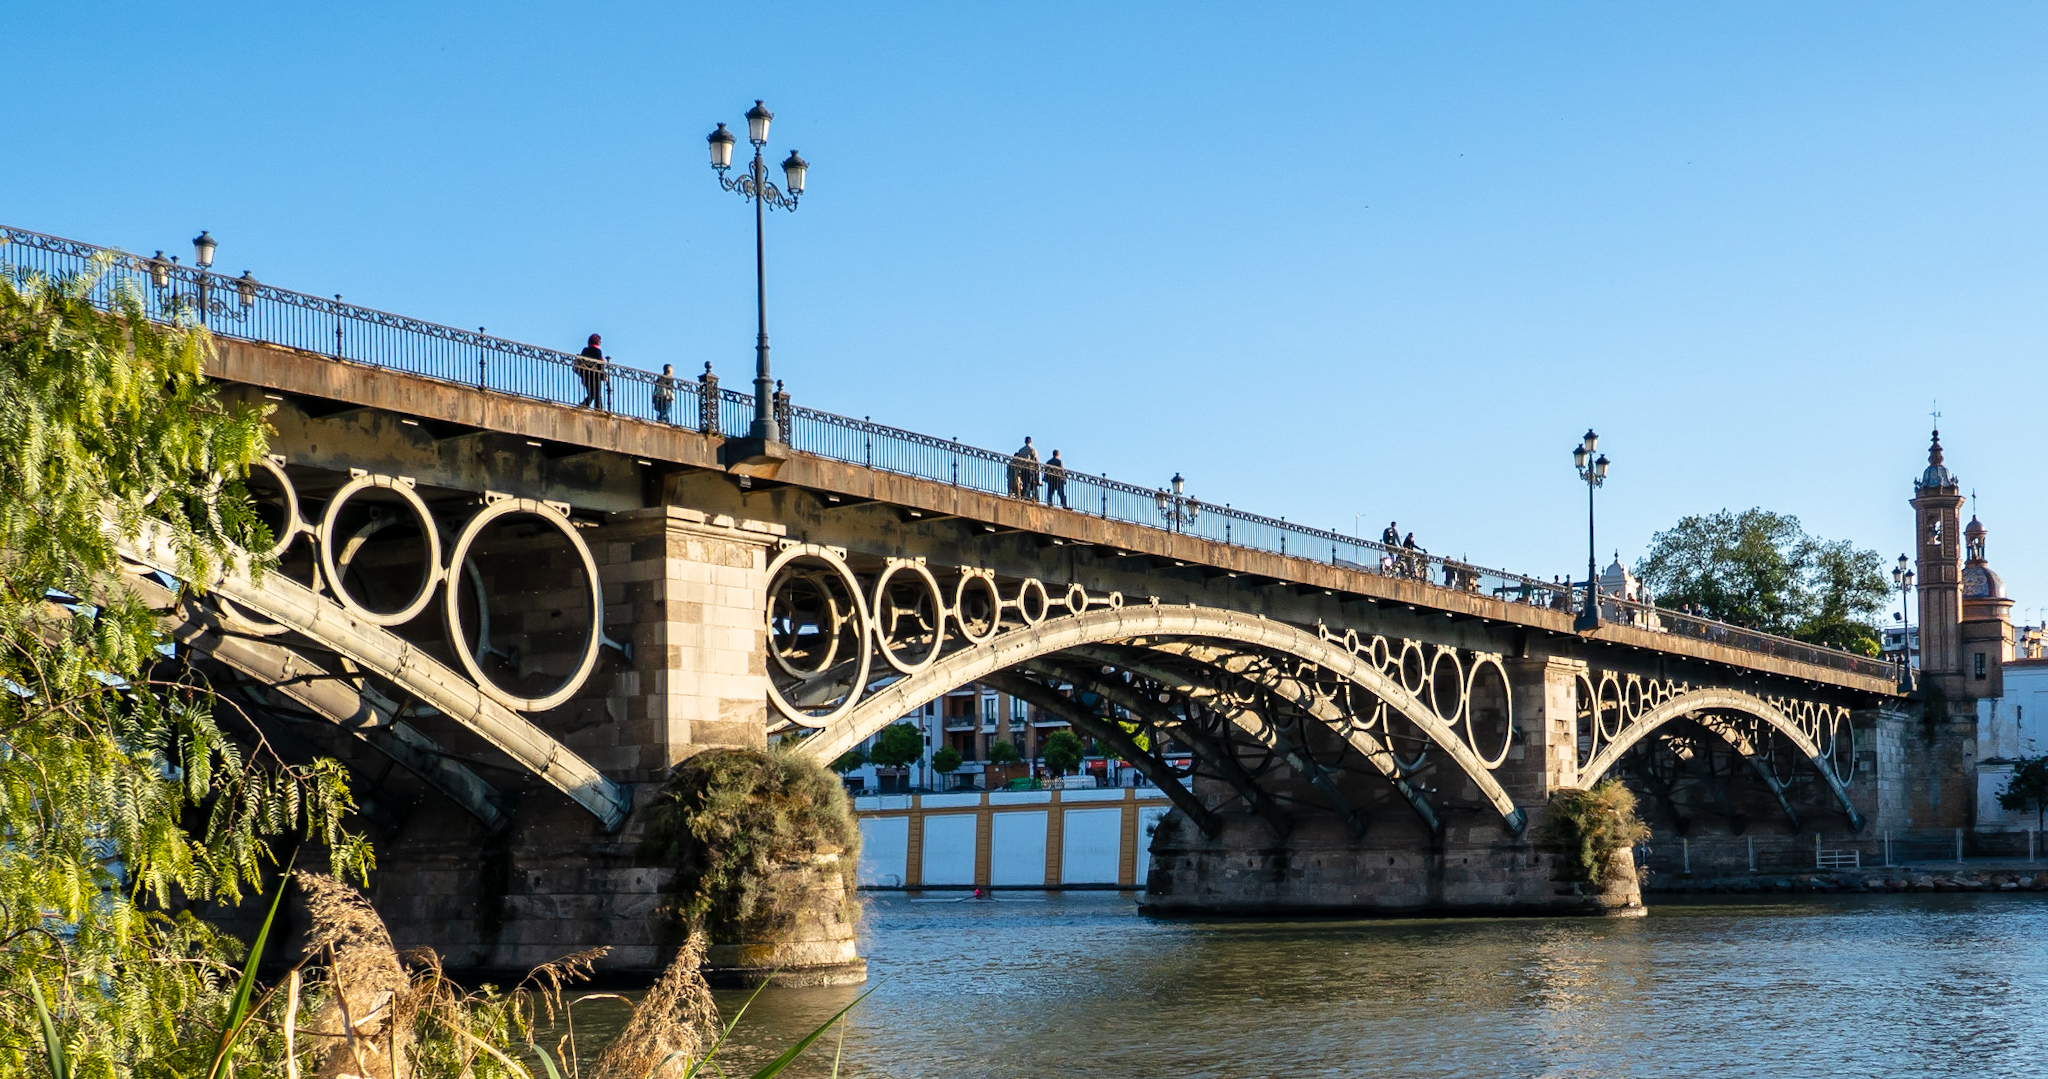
x,y
250,310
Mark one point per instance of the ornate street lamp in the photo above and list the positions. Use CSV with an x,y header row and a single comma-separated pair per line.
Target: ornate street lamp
x,y
1176,507
163,274
1902,575
755,187
1594,472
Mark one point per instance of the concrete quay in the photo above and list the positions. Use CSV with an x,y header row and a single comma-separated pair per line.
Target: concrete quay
x,y
1996,876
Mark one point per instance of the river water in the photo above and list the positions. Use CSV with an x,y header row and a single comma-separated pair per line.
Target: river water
x,y
1080,984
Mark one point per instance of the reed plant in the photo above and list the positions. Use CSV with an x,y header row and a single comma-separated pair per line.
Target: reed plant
x,y
353,1008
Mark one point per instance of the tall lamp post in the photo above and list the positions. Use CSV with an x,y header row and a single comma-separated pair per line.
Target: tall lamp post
x,y
1594,472
1902,575
1179,510
755,187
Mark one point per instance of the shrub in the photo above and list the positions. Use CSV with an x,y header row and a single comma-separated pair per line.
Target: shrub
x,y
2027,789
735,823
1589,827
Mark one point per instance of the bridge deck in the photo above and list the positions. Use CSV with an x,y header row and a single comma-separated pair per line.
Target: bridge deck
x,y
284,340
665,446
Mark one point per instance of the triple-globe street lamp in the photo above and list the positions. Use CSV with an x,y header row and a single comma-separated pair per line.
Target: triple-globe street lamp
x,y
1594,472
1902,576
754,186
161,271
1176,507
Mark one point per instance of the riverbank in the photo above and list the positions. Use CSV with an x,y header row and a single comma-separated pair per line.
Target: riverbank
x,y
1924,878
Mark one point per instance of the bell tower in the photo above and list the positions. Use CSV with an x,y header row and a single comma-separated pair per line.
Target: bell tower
x,y
1937,508
1987,619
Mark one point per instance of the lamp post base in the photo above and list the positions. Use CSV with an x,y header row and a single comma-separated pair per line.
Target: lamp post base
x,y
752,451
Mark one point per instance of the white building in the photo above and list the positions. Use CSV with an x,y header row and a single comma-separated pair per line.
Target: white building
x,y
970,720
2012,711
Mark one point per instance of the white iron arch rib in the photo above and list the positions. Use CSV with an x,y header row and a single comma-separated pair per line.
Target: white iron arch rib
x,y
1015,647
1720,700
296,607
307,684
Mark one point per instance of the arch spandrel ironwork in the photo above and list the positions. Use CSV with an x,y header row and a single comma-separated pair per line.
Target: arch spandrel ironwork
x,y
1350,686
325,615
1619,714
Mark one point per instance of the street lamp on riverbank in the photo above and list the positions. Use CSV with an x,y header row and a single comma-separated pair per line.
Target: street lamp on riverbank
x,y
755,187
1594,472
1902,575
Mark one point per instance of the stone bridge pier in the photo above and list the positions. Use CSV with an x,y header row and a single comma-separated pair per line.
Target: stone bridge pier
x,y
1322,863
683,592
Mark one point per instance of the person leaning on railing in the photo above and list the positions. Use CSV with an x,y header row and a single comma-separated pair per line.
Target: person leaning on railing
x,y
1024,471
665,392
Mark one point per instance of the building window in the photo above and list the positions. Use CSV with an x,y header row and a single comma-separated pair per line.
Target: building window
x,y
988,708
1980,666
1016,710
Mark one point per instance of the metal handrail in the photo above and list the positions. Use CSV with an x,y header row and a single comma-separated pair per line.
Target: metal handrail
x,y
246,309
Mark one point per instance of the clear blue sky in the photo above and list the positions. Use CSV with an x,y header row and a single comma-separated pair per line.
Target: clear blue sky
x,y
1352,259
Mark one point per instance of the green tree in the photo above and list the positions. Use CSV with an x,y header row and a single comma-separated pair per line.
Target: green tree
x,y
849,761
1004,751
2027,789
946,760
121,799
898,746
1061,751
1760,569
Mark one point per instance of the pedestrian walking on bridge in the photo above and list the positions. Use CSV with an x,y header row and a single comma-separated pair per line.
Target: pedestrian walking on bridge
x,y
590,369
1056,480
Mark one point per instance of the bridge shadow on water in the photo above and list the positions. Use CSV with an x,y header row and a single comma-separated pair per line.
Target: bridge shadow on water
x,y
1080,984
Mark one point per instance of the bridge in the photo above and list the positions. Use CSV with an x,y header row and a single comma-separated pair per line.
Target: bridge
x,y
511,616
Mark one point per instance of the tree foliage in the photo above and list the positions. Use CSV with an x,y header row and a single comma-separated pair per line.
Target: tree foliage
x,y
1004,751
1062,752
1760,569
898,746
849,761
1590,827
946,760
2027,788
121,799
